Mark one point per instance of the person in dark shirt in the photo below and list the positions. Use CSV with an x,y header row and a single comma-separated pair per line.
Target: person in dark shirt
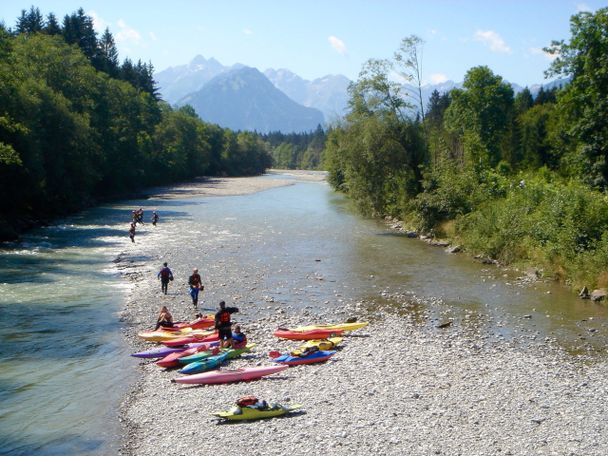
x,y
154,218
196,285
165,275
223,324
132,232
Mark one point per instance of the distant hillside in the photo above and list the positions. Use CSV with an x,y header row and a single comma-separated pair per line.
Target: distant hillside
x,y
176,82
329,94
244,99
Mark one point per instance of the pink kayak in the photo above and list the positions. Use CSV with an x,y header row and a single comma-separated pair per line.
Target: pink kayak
x,y
310,334
228,376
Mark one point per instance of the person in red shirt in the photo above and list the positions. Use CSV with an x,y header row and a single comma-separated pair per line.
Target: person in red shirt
x,y
196,285
223,324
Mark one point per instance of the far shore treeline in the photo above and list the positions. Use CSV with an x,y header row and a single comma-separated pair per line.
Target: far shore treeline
x,y
521,180
77,126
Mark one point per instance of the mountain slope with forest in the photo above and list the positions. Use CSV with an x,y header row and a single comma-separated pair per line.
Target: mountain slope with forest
x,y
244,99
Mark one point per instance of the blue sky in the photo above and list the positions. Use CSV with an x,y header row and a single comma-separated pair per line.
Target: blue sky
x,y
318,37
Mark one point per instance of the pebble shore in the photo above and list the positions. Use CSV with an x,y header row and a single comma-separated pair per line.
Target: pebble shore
x,y
399,387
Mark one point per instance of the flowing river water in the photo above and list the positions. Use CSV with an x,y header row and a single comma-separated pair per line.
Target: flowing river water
x,y
63,361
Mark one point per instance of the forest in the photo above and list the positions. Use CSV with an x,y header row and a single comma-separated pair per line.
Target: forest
x,y
516,178
77,126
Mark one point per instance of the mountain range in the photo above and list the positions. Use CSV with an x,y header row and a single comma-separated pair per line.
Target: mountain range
x,y
243,98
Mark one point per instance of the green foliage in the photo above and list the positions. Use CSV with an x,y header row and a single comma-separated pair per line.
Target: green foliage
x,y
296,150
584,102
481,114
546,220
509,177
70,133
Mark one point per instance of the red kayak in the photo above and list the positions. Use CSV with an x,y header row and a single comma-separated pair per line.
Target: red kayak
x,y
207,321
171,360
310,334
191,339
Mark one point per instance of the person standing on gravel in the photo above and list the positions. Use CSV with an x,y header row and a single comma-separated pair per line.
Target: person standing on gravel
x,y
165,275
196,285
223,324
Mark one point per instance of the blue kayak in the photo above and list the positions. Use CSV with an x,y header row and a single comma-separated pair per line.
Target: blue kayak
x,y
212,362
315,357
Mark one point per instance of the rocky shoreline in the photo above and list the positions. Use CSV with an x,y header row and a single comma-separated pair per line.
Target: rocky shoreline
x,y
399,386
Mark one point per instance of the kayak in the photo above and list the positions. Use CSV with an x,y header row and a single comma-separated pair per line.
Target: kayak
x,y
314,357
232,353
172,359
340,326
206,321
210,337
161,352
249,413
321,344
311,334
164,335
212,362
229,376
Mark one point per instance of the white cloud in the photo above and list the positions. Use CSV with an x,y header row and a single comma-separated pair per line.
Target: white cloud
x,y
98,23
153,36
247,31
127,34
337,44
540,51
438,78
583,7
492,40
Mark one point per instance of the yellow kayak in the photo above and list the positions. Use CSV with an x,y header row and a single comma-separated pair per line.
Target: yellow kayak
x,y
165,335
340,327
248,413
321,344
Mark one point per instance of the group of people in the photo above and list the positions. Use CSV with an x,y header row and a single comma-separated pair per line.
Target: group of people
x,y
223,319
223,324
138,217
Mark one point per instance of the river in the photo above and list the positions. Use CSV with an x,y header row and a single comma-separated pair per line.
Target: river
x,y
64,364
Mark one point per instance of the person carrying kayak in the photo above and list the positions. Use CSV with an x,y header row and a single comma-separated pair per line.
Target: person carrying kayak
x,y
165,275
196,285
223,324
239,339
165,319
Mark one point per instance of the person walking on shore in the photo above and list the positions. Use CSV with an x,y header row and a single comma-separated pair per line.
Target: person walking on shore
x,y
223,324
196,285
165,275
154,218
132,232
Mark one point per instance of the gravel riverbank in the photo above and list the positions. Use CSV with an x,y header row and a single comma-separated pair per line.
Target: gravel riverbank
x,y
399,386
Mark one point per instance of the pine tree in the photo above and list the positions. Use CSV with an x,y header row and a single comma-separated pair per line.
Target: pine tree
x,y
30,21
108,54
52,26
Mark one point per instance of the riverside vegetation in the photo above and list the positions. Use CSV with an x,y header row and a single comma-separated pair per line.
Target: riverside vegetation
x,y
519,179
77,126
